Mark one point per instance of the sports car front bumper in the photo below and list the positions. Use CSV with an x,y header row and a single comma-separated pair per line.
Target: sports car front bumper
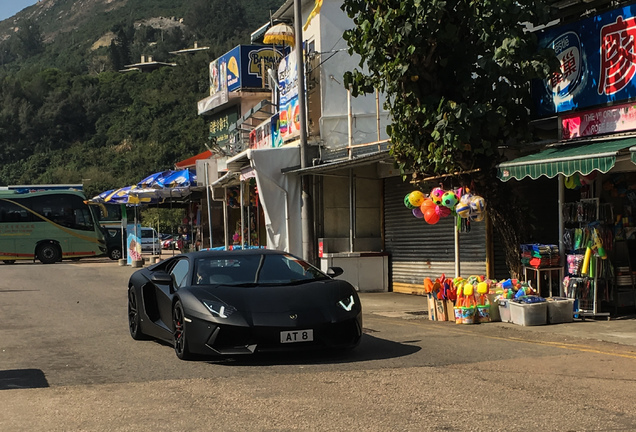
x,y
205,337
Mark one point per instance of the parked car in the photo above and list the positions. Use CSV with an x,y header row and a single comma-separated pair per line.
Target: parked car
x,y
242,302
112,235
168,242
150,241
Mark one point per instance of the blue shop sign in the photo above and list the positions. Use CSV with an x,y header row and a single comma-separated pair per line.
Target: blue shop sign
x,y
598,63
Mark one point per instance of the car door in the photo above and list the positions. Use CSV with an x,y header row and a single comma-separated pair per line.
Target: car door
x,y
179,272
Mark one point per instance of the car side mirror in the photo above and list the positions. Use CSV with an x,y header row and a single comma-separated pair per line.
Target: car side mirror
x,y
334,271
161,277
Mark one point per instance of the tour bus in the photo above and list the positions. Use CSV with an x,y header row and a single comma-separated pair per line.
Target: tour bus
x,y
49,225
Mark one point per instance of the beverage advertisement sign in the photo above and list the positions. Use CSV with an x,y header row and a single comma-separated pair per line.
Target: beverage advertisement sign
x,y
243,67
598,63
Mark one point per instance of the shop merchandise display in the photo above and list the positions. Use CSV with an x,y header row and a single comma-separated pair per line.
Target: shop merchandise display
x,y
479,300
540,255
440,203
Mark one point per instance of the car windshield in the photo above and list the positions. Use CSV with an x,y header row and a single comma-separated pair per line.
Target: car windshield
x,y
257,269
148,234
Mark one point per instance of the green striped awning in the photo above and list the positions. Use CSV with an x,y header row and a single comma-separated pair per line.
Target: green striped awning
x,y
566,159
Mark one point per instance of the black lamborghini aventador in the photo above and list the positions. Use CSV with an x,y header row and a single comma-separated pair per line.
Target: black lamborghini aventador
x,y
242,302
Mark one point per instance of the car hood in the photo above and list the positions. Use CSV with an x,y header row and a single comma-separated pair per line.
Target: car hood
x,y
275,299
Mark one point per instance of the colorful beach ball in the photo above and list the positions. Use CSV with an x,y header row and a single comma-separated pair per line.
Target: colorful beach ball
x,y
462,210
431,216
416,198
436,195
477,204
477,217
426,204
466,198
442,211
449,199
407,201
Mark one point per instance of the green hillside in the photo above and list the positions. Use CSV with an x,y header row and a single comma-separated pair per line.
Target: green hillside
x,y
68,115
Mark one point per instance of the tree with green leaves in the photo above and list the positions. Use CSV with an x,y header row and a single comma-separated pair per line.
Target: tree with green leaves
x,y
456,74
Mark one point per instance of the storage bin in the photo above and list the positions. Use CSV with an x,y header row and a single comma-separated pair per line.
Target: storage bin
x,y
560,310
504,310
529,314
494,308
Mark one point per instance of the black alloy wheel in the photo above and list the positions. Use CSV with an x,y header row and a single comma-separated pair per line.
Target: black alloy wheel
x,y
180,338
48,253
134,321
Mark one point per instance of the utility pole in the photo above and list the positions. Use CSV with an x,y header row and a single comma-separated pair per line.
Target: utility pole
x,y
307,218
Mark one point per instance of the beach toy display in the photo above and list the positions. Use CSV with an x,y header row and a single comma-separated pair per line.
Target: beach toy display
x,y
442,203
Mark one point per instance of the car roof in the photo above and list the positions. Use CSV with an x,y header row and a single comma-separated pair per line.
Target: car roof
x,y
242,252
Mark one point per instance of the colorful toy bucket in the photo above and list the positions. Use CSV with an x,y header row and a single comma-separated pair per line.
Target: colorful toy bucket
x,y
483,313
458,315
468,315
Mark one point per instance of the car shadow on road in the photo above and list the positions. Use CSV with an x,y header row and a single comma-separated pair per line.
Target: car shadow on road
x,y
15,379
370,348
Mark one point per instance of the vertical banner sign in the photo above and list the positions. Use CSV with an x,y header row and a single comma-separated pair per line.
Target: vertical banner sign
x,y
598,63
289,111
277,139
133,243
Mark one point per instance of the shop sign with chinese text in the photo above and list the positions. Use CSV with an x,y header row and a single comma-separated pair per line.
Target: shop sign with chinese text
x,y
598,63
220,123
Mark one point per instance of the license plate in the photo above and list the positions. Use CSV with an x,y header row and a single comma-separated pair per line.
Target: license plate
x,y
296,336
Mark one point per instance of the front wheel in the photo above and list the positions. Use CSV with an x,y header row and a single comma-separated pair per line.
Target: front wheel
x,y
180,334
48,253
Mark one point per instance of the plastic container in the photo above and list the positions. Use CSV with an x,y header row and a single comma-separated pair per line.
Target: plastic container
x,y
529,314
494,308
560,310
483,313
504,310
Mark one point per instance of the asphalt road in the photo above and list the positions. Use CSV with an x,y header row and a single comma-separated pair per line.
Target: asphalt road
x,y
67,363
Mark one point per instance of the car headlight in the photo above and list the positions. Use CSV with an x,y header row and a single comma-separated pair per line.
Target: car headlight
x,y
347,303
218,309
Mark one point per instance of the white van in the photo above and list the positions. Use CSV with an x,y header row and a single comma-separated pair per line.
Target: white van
x,y
150,241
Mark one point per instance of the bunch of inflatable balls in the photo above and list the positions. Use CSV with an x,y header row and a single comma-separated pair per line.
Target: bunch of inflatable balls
x,y
441,203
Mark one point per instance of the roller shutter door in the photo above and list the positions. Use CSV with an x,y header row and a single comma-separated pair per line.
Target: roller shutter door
x,y
418,250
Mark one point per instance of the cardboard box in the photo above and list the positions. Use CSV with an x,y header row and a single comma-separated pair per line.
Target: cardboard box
x,y
450,310
440,310
432,308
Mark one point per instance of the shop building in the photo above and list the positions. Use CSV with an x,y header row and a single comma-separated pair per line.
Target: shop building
x,y
585,115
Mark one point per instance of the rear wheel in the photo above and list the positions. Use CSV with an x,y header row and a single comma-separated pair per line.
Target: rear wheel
x,y
180,334
48,253
134,320
9,261
115,254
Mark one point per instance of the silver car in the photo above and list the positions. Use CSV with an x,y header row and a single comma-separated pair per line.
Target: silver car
x,y
150,241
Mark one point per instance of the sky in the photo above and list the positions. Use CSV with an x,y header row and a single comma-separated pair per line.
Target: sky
x,y
8,8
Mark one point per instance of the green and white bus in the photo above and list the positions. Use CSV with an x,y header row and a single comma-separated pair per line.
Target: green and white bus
x,y
49,225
